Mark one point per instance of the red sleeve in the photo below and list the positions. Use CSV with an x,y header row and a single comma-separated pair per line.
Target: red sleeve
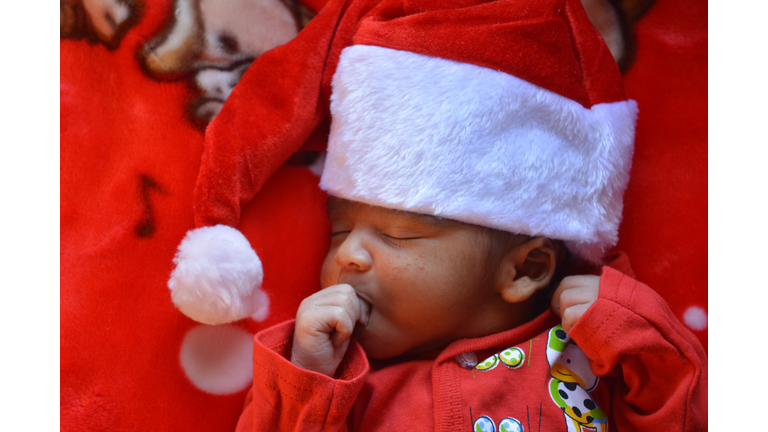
x,y
285,397
631,331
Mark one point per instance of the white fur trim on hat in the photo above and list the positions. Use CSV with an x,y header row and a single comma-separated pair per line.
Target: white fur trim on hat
x,y
217,276
440,137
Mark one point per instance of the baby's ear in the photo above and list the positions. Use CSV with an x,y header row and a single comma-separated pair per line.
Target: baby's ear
x,y
526,269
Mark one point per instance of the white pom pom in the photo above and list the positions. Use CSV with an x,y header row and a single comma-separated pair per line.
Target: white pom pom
x,y
217,276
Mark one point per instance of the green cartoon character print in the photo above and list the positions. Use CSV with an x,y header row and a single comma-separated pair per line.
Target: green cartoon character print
x,y
510,424
512,358
488,364
484,424
571,382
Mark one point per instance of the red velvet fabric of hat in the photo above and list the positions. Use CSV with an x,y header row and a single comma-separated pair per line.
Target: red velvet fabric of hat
x,y
550,44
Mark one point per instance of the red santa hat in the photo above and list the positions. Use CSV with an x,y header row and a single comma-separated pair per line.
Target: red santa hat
x,y
505,114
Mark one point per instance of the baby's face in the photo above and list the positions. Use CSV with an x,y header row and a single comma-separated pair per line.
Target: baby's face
x,y
422,276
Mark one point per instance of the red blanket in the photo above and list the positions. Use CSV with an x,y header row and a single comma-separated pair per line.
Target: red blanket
x,y
131,141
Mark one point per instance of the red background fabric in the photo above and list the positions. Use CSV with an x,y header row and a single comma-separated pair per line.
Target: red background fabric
x,y
664,230
129,160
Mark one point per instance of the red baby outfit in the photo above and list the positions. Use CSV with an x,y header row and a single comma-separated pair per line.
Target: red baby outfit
x,y
652,376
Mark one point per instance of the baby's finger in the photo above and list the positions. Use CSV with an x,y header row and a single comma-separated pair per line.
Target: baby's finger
x,y
572,314
340,295
576,296
345,295
343,324
570,283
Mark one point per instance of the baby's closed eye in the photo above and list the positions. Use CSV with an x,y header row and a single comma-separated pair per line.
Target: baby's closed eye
x,y
398,241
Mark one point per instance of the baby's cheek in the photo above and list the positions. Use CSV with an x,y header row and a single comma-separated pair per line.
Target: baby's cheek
x,y
386,271
329,273
399,270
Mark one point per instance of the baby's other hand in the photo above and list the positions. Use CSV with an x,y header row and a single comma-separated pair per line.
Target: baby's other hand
x,y
573,297
324,325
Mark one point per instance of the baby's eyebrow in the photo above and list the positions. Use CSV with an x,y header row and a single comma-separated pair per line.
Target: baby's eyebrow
x,y
424,218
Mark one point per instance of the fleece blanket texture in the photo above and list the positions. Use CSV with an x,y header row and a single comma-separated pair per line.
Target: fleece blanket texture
x,y
131,143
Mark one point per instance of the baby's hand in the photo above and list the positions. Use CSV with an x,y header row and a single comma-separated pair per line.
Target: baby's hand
x,y
573,297
324,324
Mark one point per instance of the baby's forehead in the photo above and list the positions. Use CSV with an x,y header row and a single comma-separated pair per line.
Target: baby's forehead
x,y
340,206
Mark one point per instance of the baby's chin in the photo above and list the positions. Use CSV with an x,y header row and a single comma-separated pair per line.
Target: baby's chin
x,y
388,348
377,347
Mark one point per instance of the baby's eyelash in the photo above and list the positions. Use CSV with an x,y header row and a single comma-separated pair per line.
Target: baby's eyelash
x,y
334,234
396,240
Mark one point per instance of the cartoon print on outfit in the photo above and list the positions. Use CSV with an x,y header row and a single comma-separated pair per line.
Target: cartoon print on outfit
x,y
488,364
486,424
571,381
510,424
513,358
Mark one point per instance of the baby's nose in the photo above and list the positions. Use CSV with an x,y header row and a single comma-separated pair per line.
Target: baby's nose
x,y
353,255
